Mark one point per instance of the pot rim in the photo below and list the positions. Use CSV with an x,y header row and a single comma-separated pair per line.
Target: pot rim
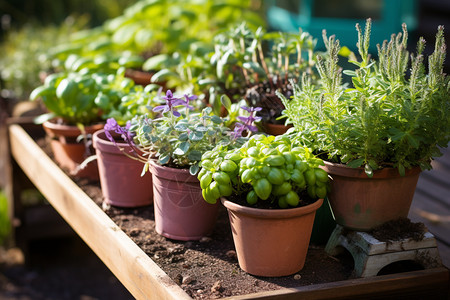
x,y
56,129
101,142
175,173
272,213
387,172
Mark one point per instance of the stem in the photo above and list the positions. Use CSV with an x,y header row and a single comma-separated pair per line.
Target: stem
x,y
264,65
286,68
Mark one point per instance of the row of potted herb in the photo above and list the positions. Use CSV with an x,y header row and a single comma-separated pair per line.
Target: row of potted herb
x,y
386,121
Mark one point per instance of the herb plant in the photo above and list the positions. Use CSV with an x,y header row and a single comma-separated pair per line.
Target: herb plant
x,y
395,113
245,67
87,98
178,137
266,171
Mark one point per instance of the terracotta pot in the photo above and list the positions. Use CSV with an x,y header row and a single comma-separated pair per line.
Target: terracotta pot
x,y
139,77
120,176
275,129
362,203
181,213
69,153
142,78
271,242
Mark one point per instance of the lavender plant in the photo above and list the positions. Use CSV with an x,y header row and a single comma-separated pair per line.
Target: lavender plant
x,y
395,114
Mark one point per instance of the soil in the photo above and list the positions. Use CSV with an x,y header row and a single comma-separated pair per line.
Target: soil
x,y
400,229
263,95
208,269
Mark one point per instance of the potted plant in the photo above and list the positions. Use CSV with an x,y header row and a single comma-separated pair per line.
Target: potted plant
x,y
271,189
78,102
172,146
119,159
378,134
244,68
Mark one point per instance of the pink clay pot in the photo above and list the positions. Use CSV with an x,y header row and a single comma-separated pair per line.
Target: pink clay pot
x,y
181,213
120,176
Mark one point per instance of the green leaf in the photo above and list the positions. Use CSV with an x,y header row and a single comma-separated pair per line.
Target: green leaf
x,y
345,51
183,136
164,158
125,35
216,119
357,84
202,128
180,127
163,75
356,163
183,148
401,169
349,73
254,67
368,170
226,102
196,135
194,169
214,101
144,37
195,155
155,62
412,141
44,117
396,134
145,169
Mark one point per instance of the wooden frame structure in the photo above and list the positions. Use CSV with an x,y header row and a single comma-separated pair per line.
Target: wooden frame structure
x,y
143,277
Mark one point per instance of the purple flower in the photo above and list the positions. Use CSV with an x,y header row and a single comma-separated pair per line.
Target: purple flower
x,y
112,125
247,122
172,101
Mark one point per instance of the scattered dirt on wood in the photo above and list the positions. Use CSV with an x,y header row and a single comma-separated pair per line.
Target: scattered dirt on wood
x,y
209,269
400,229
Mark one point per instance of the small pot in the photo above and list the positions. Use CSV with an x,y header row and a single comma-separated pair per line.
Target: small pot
x,y
68,152
181,213
275,129
271,242
120,176
362,203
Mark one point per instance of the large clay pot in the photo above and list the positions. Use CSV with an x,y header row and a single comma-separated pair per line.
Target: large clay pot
x,y
362,203
271,242
70,153
181,213
120,176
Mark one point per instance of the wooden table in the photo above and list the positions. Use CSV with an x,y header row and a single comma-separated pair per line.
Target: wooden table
x,y
143,277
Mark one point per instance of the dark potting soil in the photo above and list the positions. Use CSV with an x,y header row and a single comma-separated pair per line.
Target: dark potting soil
x,y
263,95
399,229
208,269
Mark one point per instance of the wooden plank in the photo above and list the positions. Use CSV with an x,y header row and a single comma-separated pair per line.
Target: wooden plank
x,y
426,284
139,274
433,215
436,188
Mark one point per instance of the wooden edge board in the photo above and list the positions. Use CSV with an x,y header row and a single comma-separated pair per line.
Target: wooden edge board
x,y
137,272
413,285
